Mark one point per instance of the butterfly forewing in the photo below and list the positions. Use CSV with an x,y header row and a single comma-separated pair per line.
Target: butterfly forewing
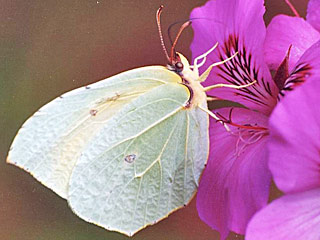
x,y
50,142
141,166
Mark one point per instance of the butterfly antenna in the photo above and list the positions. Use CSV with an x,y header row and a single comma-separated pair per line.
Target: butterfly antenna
x,y
185,25
160,32
172,25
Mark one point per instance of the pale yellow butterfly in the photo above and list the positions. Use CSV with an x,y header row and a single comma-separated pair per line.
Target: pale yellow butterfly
x,y
126,151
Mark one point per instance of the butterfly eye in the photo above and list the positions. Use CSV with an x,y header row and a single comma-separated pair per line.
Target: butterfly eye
x,y
178,66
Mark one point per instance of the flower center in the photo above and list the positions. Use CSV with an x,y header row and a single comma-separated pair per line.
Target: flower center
x,y
246,134
247,137
242,70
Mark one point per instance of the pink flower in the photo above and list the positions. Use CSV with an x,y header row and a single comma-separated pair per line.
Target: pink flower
x,y
235,183
294,142
294,147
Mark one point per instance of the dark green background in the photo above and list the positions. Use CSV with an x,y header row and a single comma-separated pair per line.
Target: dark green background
x,y
49,47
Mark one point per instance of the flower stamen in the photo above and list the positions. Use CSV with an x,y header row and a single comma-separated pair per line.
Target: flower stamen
x,y
246,138
246,134
239,126
295,12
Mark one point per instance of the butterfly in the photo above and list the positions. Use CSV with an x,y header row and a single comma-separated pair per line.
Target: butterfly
x,y
125,151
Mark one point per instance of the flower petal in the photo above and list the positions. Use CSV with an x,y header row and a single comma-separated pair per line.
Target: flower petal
x,y
284,31
294,216
307,66
294,142
310,58
237,26
235,183
313,14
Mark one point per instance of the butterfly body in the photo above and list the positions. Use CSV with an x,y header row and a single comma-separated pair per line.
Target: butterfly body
x,y
126,151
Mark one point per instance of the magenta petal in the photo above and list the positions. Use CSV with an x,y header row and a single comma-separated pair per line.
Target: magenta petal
x,y
307,66
309,62
294,143
294,216
284,31
218,19
235,183
313,13
237,26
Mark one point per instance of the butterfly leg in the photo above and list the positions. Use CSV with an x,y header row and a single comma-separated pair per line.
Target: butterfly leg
x,y
203,56
204,75
211,99
214,116
219,85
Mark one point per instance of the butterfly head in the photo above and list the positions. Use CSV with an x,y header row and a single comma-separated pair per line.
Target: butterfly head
x,y
175,64
179,64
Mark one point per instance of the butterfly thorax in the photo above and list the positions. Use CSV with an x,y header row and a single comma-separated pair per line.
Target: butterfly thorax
x,y
190,80
197,94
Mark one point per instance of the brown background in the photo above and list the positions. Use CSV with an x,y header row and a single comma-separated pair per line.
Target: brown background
x,y
50,47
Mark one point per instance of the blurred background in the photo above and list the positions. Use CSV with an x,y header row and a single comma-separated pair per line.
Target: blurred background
x,y
50,47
